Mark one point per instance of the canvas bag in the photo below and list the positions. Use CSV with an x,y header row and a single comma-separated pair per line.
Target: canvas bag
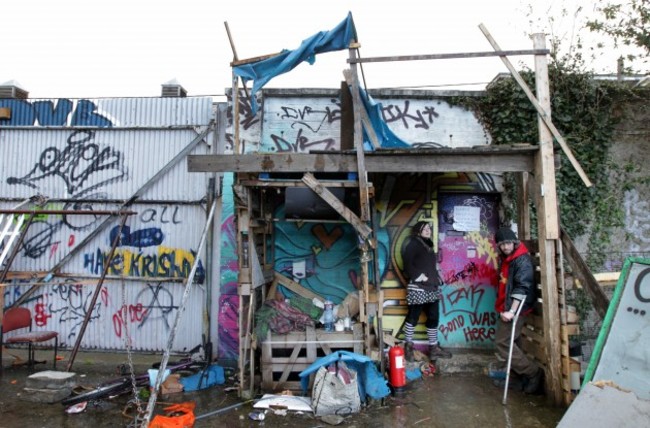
x,y
335,391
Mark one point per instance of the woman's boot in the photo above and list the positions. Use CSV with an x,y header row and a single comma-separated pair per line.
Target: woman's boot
x,y
408,352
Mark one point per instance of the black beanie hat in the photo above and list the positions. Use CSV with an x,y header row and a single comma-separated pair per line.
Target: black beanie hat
x,y
505,234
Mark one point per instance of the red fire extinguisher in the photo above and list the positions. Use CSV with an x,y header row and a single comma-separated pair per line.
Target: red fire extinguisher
x,y
397,373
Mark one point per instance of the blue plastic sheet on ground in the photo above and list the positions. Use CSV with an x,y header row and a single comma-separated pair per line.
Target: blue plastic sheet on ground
x,y
207,378
371,382
413,374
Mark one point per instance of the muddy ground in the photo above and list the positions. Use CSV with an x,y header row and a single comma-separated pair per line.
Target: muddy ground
x,y
458,400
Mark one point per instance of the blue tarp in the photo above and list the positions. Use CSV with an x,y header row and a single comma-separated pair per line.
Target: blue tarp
x,y
387,138
371,382
213,375
262,72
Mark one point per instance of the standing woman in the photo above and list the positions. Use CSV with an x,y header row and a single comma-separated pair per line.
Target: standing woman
x,y
423,289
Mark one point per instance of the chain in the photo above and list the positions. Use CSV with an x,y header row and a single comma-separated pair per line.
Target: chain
x,y
127,345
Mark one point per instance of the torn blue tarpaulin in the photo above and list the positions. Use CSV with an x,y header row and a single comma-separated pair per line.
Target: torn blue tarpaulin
x,y
261,72
387,138
371,382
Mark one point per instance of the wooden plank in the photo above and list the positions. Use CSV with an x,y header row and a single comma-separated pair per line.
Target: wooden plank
x,y
281,183
296,288
536,321
543,112
253,59
533,335
522,181
365,119
544,160
570,330
388,294
460,55
289,364
535,350
362,174
581,271
607,277
335,203
310,335
436,160
551,315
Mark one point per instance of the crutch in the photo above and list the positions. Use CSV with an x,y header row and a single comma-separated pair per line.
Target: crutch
x,y
512,341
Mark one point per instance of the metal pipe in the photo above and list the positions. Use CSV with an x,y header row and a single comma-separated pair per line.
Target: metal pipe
x,y
56,212
89,311
181,307
225,409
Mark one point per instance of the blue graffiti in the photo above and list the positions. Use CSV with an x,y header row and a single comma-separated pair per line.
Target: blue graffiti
x,y
45,113
140,238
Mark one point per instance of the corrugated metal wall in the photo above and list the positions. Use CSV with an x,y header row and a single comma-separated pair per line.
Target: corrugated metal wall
x,y
94,155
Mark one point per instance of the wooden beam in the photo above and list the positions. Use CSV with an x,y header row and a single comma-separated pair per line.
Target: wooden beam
x,y
335,203
548,226
523,208
365,119
581,271
448,56
296,288
238,62
440,160
362,173
543,113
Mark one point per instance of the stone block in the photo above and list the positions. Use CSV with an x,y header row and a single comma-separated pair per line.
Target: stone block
x,y
45,395
51,379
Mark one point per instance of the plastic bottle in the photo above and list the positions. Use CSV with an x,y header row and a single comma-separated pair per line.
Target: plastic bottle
x,y
257,415
328,316
347,324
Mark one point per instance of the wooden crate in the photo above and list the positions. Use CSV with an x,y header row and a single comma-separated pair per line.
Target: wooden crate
x,y
284,356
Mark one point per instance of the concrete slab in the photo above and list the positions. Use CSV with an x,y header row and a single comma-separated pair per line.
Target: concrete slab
x,y
606,406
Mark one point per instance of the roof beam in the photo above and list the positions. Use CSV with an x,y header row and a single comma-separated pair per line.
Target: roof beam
x,y
448,56
442,160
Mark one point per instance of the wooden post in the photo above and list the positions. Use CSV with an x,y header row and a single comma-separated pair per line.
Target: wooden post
x,y
523,211
548,229
358,140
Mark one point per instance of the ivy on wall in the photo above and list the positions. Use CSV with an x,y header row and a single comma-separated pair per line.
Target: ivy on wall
x,y
585,111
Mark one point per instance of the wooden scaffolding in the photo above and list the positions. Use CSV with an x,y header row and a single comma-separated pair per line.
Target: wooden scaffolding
x,y
533,166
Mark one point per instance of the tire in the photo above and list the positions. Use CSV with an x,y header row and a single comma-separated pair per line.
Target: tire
x,y
120,386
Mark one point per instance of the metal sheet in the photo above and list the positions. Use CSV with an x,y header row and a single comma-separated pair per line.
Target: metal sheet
x,y
141,311
108,112
157,250
97,164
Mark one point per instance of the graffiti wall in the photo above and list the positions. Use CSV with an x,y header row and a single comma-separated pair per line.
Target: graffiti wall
x,y
466,251
81,157
324,256
300,124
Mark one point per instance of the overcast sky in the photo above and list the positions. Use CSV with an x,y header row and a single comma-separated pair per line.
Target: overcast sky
x,y
129,48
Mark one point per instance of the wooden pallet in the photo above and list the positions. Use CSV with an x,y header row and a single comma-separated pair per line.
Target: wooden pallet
x,y
284,356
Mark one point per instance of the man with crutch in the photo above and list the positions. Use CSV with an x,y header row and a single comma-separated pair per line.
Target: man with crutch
x,y
515,299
